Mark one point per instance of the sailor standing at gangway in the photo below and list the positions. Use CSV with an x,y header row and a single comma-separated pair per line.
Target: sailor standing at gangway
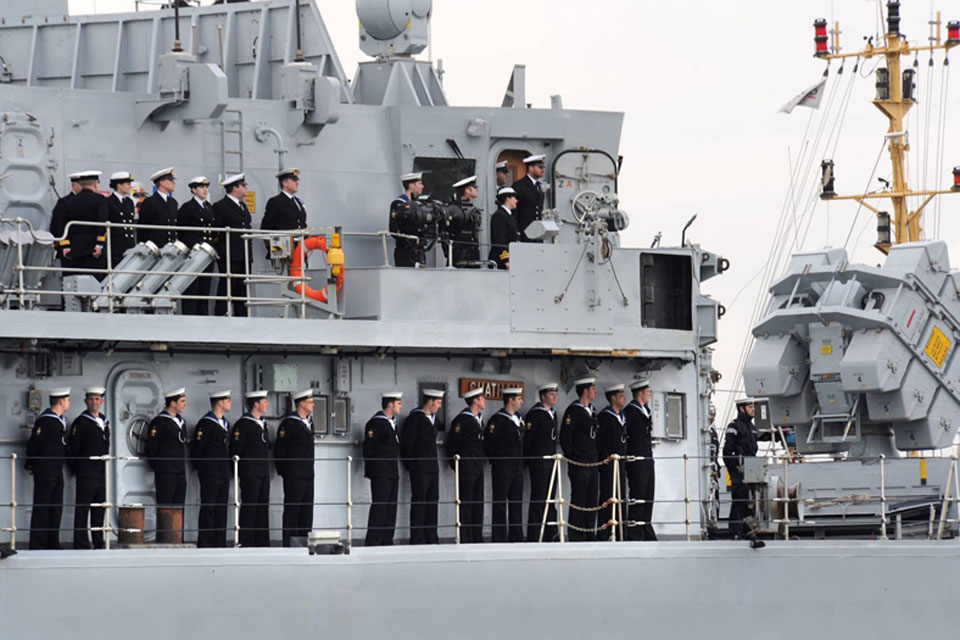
x,y
89,437
466,440
44,461
208,452
611,440
739,442
640,473
539,441
418,450
166,450
578,438
381,451
503,444
293,456
250,441
160,209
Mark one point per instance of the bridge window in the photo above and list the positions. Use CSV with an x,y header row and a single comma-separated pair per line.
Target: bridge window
x,y
666,291
440,173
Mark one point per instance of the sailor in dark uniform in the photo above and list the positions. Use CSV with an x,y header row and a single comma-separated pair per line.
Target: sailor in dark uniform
x,y
89,436
381,449
210,458
530,193
407,253
612,440
503,228
44,461
640,473
466,440
250,441
166,450
540,440
503,174
293,456
739,442
231,211
58,217
198,212
120,210
160,209
503,444
418,451
84,247
578,439
465,224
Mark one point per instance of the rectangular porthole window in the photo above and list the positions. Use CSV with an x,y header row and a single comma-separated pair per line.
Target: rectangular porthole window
x,y
675,416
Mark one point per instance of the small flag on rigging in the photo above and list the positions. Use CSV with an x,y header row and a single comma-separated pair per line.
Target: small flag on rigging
x,y
809,98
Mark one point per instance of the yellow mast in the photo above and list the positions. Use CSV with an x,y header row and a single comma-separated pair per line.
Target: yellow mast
x,y
895,97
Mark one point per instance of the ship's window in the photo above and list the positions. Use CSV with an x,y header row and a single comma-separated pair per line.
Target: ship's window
x,y
440,173
665,291
675,416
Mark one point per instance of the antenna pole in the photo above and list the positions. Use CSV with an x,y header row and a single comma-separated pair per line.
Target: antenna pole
x,y
296,9
177,47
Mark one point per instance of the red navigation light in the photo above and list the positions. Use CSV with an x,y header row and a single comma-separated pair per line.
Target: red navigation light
x,y
956,178
820,37
953,32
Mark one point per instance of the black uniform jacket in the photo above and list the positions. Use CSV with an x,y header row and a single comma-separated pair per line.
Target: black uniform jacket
x,y
639,430
208,449
120,211
250,442
529,202
739,442
58,218
194,214
86,206
166,448
466,440
228,213
381,448
503,441
47,445
540,435
611,434
578,433
154,210
503,230
418,443
293,452
283,213
87,438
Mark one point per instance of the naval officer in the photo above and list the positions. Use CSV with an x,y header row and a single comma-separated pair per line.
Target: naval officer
x,y
466,440
58,217
208,453
612,440
381,449
166,450
503,228
466,247
640,473
251,443
418,450
530,193
198,212
540,440
89,437
84,246
293,456
160,209
578,438
503,174
739,442
407,253
503,444
44,461
120,210
231,211
285,211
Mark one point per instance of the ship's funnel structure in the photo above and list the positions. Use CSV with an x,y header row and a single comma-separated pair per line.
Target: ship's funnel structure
x,y
852,356
172,257
200,257
142,257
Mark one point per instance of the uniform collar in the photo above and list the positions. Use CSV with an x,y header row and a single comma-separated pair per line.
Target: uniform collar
x,y
100,419
210,415
236,201
50,412
250,416
403,197
163,195
200,202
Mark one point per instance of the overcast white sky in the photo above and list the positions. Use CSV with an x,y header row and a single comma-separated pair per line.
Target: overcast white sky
x,y
700,83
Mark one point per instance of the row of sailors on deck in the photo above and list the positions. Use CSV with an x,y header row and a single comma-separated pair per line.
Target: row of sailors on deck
x,y
507,439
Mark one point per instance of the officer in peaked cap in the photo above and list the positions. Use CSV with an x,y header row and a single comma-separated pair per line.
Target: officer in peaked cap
x,y
293,456
612,440
89,437
166,449
640,473
539,441
231,211
208,453
504,228
739,442
503,444
578,438
160,209
285,210
120,210
503,174
381,450
250,442
58,217
407,253
84,246
198,212
44,461
465,223
530,192
466,440
418,451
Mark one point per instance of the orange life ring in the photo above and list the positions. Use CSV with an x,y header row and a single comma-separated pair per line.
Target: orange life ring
x,y
334,259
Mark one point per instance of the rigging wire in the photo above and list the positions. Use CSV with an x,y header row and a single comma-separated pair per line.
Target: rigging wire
x,y
941,135
866,190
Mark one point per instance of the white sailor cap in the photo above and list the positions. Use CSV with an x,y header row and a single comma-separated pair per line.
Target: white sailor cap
x,y
411,177
199,181
639,384
236,178
220,395
535,159
95,391
121,176
745,400
582,381
163,174
506,191
391,395
60,392
174,393
501,166
256,395
548,386
303,395
473,393
75,177
465,182
288,173
90,174
614,388
511,391
433,393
